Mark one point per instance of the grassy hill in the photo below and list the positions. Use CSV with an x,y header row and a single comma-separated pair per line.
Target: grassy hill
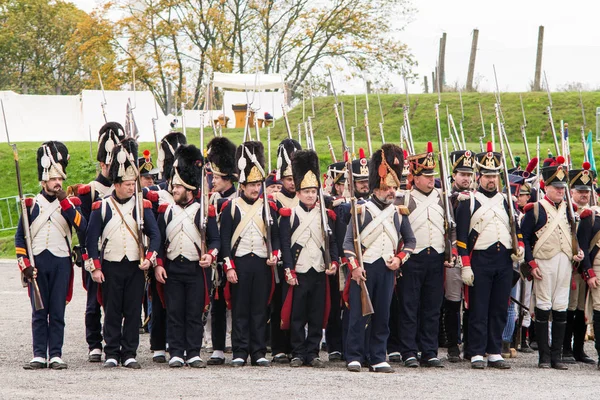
x,y
82,168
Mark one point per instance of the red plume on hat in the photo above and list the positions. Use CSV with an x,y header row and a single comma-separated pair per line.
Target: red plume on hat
x,y
531,165
429,147
361,153
586,166
490,147
560,160
146,154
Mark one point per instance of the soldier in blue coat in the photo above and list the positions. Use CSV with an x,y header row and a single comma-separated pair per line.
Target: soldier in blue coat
x,y
117,263
382,228
109,136
52,216
484,242
184,273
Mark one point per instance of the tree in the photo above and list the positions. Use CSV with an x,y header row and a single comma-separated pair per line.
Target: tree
x,y
52,47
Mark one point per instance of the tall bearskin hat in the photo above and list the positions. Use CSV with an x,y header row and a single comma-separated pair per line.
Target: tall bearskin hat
x,y
424,163
145,164
386,167
462,161
123,165
582,179
360,167
221,156
556,174
187,167
305,169
250,165
489,162
109,136
286,149
166,153
52,161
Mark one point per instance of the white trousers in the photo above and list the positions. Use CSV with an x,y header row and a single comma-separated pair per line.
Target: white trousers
x,y
552,291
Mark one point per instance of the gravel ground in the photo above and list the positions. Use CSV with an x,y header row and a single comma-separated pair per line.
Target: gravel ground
x,y
85,380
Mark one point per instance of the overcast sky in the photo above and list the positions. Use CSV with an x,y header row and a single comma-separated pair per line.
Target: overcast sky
x,y
507,39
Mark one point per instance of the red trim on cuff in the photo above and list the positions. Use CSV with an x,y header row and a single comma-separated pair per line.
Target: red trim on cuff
x,y
97,264
533,264
213,253
85,256
591,273
159,262
344,260
149,255
352,264
521,245
65,204
466,261
228,264
276,254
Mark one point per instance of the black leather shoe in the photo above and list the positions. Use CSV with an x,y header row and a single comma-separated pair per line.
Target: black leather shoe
x,y
176,364
133,365
109,364
216,361
263,363
544,365
238,363
317,363
296,362
479,364
432,363
197,364
500,364
35,365
567,358
281,359
95,358
559,365
357,367
411,362
335,356
386,369
395,357
58,365
584,358
159,359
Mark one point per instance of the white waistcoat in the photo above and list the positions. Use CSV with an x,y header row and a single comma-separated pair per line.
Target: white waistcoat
x,y
309,235
555,236
380,236
491,222
121,242
427,221
182,234
252,237
50,231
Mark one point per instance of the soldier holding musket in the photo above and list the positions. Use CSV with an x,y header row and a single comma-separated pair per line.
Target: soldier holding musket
x,y
463,162
421,288
250,247
308,261
110,135
116,256
47,239
184,272
485,245
382,228
551,247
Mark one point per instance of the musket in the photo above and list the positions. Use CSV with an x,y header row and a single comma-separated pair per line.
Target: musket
x,y
523,133
368,133
450,129
382,120
352,137
365,299
448,221
549,112
511,205
406,118
573,219
203,208
537,168
482,129
37,297
103,103
502,136
269,147
300,134
462,118
154,131
326,229
312,98
331,152
453,126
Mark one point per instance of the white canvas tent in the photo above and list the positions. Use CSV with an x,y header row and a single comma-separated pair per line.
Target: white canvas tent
x,y
38,118
254,86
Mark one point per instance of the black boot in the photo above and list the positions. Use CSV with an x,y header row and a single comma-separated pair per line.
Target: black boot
x,y
524,346
442,331
579,328
559,325
567,351
532,337
451,323
597,335
541,330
